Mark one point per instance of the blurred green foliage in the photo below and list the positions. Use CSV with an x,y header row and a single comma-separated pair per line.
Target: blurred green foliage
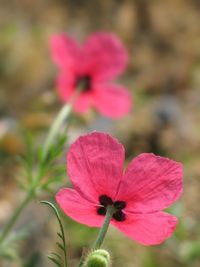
x,y
163,40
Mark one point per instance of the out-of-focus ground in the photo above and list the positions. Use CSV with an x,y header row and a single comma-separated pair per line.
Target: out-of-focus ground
x,y
163,41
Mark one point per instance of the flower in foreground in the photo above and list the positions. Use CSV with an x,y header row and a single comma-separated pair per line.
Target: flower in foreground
x,y
149,185
91,67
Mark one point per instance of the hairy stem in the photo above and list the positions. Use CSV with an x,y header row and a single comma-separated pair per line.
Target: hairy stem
x,y
52,133
102,232
104,228
62,115
8,227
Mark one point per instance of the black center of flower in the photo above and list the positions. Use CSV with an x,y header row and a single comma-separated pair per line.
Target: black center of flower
x,y
119,216
84,82
106,201
101,211
119,205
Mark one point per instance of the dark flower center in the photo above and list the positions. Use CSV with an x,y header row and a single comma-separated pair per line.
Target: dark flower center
x,y
106,201
84,83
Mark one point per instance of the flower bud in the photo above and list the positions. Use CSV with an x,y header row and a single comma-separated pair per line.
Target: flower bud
x,y
98,258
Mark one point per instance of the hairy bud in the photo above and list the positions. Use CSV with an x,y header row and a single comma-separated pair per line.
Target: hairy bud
x,y
97,258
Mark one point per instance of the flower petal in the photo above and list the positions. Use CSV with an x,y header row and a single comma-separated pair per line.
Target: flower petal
x,y
66,89
83,103
112,100
95,165
65,86
78,208
148,229
64,51
105,56
151,183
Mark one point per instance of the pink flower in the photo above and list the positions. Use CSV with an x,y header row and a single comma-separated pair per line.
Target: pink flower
x,y
149,185
91,66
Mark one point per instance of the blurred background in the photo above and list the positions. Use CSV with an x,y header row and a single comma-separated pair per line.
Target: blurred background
x,y
163,75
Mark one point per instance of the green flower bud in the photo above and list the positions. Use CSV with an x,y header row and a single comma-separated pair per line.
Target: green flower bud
x,y
103,253
98,258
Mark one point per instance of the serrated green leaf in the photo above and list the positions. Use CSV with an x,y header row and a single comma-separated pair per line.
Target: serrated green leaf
x,y
60,246
57,255
54,260
54,151
60,234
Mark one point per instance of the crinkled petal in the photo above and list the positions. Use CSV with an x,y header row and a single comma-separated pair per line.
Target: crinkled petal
x,y
78,208
112,100
95,165
151,183
105,56
147,229
65,52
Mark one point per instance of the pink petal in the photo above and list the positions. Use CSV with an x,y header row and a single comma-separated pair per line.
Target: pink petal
x,y
105,56
147,229
112,100
78,208
65,86
95,165
66,89
83,103
64,51
151,183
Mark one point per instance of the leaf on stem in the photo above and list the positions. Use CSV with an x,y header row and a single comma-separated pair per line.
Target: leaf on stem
x,y
54,257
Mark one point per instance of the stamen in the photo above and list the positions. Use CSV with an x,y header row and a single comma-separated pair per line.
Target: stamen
x,y
84,82
119,216
105,200
119,205
101,211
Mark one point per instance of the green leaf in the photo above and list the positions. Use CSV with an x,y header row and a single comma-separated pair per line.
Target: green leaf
x,y
54,260
57,255
60,246
8,253
54,151
61,234
33,261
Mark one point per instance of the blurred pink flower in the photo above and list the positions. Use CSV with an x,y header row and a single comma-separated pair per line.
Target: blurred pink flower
x,y
91,66
149,185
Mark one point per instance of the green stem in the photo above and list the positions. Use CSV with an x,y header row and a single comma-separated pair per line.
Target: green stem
x,y
62,115
15,215
61,229
102,232
104,228
28,197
